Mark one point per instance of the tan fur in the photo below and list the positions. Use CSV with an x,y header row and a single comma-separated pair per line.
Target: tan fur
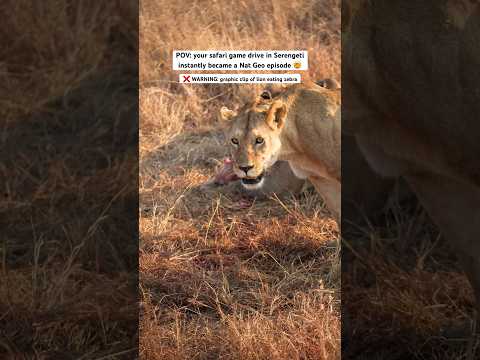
x,y
300,125
413,105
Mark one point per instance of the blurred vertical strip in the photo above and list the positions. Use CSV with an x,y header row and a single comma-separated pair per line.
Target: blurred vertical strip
x,y
410,179
69,179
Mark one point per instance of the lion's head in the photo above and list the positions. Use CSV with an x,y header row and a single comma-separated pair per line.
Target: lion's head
x,y
253,136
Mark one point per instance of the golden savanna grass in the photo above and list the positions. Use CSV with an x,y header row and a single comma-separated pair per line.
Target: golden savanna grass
x,y
220,280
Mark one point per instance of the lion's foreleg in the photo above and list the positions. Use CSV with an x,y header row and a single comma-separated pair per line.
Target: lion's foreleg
x,y
331,192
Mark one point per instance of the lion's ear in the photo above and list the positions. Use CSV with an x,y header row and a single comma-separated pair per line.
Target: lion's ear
x,y
266,95
276,115
226,114
330,84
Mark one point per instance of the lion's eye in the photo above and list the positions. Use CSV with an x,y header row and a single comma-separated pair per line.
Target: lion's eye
x,y
259,140
235,141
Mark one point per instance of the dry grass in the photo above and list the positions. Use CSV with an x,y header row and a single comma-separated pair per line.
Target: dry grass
x,y
403,290
67,278
219,280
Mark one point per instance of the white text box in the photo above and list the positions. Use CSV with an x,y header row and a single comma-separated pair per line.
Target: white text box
x,y
265,60
239,78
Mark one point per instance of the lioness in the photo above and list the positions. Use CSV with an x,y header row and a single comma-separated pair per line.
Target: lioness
x,y
300,125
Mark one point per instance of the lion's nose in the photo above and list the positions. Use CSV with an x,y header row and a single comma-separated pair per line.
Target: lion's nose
x,y
246,168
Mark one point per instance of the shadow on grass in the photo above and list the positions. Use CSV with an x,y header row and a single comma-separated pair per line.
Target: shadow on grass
x,y
69,230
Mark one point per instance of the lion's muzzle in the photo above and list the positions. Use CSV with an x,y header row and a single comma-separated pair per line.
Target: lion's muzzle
x,y
253,183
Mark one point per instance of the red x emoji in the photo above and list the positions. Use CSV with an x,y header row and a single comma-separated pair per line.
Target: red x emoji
x,y
186,78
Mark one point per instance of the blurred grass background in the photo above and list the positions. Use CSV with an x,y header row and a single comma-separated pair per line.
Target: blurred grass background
x,y
68,169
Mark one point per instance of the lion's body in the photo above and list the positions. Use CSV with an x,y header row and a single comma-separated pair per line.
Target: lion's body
x,y
311,137
300,125
411,84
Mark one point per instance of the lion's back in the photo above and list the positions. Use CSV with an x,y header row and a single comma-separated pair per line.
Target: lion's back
x,y
440,109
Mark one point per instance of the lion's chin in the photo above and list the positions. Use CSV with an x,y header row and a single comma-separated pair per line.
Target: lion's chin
x,y
253,183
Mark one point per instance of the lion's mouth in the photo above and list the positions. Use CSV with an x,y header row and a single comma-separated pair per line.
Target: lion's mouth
x,y
253,181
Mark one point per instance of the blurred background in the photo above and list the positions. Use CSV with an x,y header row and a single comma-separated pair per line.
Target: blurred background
x,y
68,178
